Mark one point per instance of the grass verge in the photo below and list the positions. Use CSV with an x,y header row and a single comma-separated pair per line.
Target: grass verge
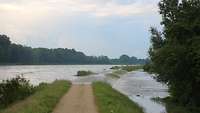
x,y
42,101
111,101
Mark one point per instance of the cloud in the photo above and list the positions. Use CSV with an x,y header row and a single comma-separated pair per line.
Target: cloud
x,y
93,7
74,23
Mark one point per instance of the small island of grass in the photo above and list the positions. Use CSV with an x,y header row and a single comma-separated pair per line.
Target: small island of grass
x,y
84,73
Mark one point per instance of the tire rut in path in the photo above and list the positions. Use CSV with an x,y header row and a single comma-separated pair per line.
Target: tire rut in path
x,y
79,99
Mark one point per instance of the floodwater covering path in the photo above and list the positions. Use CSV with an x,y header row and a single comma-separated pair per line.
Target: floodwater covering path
x,y
79,99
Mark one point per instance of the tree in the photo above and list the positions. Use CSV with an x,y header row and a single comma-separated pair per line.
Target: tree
x,y
175,52
4,47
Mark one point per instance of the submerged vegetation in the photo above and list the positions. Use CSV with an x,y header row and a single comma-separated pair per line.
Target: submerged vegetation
x,y
121,70
111,101
43,100
84,73
116,73
131,68
127,68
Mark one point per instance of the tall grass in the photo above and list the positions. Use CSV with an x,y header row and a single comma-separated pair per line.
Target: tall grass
x,y
42,101
13,90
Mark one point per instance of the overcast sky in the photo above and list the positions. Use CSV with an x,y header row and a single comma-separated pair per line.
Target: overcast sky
x,y
95,27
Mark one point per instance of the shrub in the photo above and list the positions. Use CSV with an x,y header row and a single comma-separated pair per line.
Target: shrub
x,y
15,89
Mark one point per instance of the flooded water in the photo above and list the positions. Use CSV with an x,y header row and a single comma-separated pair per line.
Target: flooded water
x,y
138,86
49,73
141,88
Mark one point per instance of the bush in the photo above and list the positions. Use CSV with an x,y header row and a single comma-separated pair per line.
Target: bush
x,y
84,73
44,99
15,89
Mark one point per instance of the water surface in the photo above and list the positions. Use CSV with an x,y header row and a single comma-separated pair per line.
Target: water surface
x,y
141,88
48,73
138,86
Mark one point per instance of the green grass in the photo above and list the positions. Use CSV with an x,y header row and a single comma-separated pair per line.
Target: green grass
x,y
119,72
132,68
112,75
111,101
42,101
128,68
116,73
84,73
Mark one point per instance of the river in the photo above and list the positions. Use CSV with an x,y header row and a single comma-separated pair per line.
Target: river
x,y
138,86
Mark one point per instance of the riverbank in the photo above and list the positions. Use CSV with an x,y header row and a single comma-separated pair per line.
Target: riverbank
x,y
42,101
109,100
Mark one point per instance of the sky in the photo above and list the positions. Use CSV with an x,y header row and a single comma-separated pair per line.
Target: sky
x,y
95,27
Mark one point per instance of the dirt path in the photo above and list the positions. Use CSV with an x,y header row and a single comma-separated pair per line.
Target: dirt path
x,y
79,99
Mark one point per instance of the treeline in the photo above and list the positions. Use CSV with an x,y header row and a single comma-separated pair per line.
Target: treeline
x,y
11,53
175,52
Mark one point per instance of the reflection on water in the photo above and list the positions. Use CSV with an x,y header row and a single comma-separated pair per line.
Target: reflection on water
x,y
138,86
141,87
49,73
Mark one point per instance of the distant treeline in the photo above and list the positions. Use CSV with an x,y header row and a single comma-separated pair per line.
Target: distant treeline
x,y
11,53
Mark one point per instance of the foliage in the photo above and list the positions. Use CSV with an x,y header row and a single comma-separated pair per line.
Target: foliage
x,y
84,73
175,52
42,101
4,48
18,54
126,60
173,107
111,101
15,89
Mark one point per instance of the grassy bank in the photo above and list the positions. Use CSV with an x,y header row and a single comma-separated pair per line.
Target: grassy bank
x,y
42,101
111,101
